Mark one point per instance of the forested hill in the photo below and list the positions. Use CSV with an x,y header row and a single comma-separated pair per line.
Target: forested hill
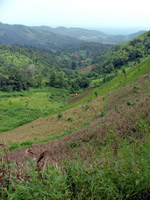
x,y
46,37
35,67
72,57
23,35
125,55
90,35
23,67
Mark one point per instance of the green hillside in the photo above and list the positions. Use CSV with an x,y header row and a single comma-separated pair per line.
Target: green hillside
x,y
59,144
90,35
36,67
125,55
23,35
108,159
52,38
132,74
40,67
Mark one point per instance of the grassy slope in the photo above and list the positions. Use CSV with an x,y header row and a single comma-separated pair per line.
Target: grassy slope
x,y
132,74
114,155
80,112
49,128
23,107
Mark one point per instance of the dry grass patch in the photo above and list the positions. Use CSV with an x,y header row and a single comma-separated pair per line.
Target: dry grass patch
x,y
47,127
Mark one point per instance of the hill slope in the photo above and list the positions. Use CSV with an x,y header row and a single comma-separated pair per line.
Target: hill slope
x,y
47,37
109,157
76,114
23,35
106,157
91,35
125,55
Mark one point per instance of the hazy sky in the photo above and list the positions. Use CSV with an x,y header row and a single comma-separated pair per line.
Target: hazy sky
x,y
77,13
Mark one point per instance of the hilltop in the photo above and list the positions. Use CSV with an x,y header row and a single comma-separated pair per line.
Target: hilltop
x,y
52,38
23,35
91,35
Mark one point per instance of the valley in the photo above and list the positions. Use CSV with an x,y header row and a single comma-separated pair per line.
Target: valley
x,y
74,115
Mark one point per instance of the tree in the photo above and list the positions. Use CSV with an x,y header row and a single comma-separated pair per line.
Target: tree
x,y
16,79
124,72
53,79
73,65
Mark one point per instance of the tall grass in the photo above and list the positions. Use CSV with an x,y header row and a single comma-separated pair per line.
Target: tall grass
x,y
125,175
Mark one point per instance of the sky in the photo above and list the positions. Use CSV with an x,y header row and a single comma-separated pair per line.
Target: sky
x,y
97,14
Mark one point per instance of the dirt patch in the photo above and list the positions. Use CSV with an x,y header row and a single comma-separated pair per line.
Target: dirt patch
x,y
87,69
76,98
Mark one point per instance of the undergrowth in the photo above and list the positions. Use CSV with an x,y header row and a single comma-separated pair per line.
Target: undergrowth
x,y
122,175
110,160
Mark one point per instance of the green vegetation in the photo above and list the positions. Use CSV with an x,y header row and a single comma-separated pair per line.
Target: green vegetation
x,y
47,37
125,55
23,35
19,108
99,148
26,109
125,177
110,161
24,67
120,81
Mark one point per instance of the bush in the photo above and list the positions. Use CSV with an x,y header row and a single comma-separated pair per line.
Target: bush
x,y
86,108
13,146
70,119
59,115
27,143
136,89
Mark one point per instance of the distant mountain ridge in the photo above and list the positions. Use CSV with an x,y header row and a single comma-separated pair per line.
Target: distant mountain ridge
x,y
24,35
47,37
90,35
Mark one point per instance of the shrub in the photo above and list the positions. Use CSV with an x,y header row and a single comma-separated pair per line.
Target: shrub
x,y
70,119
59,115
129,103
135,89
86,107
13,146
27,143
102,114
95,93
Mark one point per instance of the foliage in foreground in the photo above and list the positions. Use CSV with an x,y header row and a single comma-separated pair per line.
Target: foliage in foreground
x,y
114,157
119,168
125,175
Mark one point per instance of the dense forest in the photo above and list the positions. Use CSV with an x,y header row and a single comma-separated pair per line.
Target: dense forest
x,y
23,67
122,56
